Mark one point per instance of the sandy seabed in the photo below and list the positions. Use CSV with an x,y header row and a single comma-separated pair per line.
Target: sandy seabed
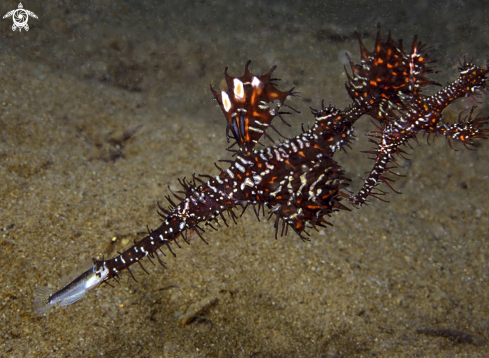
x,y
103,106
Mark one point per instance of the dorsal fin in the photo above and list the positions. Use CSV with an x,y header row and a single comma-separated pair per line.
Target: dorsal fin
x,y
249,103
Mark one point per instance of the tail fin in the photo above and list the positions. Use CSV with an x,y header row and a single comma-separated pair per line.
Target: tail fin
x,y
388,77
41,299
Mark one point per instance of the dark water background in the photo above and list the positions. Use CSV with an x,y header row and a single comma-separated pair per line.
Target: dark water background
x,y
404,278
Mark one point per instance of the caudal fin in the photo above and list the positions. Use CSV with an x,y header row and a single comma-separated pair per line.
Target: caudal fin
x,y
41,299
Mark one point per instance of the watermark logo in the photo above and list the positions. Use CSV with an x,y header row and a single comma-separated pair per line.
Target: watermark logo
x,y
20,17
